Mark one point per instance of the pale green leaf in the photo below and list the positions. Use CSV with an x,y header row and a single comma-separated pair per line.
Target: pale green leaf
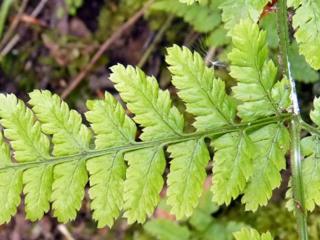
x,y
204,95
143,183
152,107
109,123
112,128
69,136
311,175
187,176
29,145
232,167
251,234
154,111
68,189
315,113
38,187
235,11
280,94
307,22
253,71
22,129
271,144
10,185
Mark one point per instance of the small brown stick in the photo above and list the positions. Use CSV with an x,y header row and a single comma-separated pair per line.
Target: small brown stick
x,y
117,34
156,40
14,23
16,38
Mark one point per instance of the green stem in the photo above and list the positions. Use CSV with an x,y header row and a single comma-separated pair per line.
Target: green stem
x,y
310,128
141,145
295,126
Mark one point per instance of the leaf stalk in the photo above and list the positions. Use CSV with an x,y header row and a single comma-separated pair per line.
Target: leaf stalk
x,y
295,124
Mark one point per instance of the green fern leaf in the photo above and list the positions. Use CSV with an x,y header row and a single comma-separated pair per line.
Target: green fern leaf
x,y
255,74
233,166
30,145
271,143
315,113
204,95
143,183
154,111
187,176
306,20
10,185
251,234
311,172
280,94
235,11
152,107
69,136
112,128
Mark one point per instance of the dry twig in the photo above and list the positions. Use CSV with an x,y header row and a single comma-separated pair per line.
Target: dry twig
x,y
116,35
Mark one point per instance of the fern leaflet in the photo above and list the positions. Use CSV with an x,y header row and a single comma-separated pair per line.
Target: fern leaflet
x,y
252,234
30,145
69,136
306,21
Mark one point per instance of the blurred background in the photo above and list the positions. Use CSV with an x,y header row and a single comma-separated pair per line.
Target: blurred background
x,y
67,46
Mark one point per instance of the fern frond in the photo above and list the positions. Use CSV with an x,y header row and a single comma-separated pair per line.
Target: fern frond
x,y
10,185
69,136
235,11
255,74
30,145
204,95
306,20
233,166
251,234
271,144
252,150
187,176
152,107
112,128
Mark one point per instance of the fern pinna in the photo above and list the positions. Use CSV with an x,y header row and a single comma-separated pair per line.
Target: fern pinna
x,y
49,154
